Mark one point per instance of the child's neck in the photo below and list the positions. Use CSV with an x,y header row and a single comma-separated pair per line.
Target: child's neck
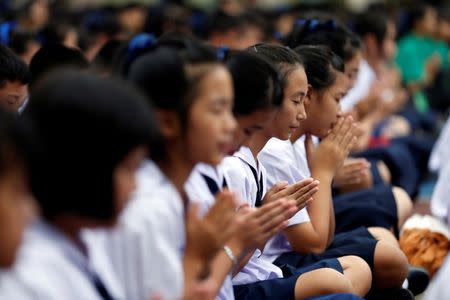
x,y
71,226
296,135
257,142
176,167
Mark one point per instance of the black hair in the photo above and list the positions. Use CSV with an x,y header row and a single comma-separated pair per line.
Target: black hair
x,y
417,12
314,32
130,51
256,83
101,21
12,68
321,65
221,22
166,17
283,58
373,22
19,41
54,32
16,142
14,37
169,76
86,126
52,56
104,61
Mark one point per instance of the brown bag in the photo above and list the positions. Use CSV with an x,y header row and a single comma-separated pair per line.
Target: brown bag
x,y
424,248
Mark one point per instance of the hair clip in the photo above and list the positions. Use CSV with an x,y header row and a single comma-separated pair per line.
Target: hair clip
x,y
222,52
300,22
254,48
5,29
141,41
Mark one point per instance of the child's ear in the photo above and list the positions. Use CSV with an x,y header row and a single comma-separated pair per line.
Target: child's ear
x,y
169,123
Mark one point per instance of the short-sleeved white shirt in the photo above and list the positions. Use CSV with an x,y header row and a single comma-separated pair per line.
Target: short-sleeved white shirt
x,y
364,80
147,247
280,160
49,266
199,192
241,180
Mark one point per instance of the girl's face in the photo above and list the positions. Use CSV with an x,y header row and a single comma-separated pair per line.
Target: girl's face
x,y
287,119
250,124
352,69
15,212
210,124
323,107
428,23
124,176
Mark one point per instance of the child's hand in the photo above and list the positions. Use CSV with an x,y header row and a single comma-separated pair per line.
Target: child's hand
x,y
333,149
301,192
202,290
351,172
208,235
258,225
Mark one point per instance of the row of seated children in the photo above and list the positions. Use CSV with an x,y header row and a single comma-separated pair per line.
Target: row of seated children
x,y
273,236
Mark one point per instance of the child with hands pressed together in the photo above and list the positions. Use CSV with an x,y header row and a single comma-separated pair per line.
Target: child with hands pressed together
x,y
259,278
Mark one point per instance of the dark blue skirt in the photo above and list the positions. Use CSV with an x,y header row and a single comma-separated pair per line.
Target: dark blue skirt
x,y
337,297
400,162
373,207
280,288
358,242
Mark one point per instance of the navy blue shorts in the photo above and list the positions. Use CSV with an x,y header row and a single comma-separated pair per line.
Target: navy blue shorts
x,y
373,207
376,176
337,297
358,242
400,162
280,288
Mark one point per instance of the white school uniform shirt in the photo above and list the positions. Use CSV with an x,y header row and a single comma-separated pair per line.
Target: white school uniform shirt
x,y
50,267
146,247
198,192
440,155
364,80
241,180
440,199
282,164
439,288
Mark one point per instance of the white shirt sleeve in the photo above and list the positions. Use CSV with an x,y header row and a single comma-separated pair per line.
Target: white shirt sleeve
x,y
439,288
440,199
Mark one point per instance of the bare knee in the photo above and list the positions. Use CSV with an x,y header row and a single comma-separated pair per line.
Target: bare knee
x,y
321,282
382,234
385,174
358,272
390,265
404,205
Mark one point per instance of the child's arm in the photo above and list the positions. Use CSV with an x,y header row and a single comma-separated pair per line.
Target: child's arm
x,y
205,237
316,235
255,227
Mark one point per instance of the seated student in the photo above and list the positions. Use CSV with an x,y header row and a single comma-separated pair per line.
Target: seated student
x,y
15,194
244,174
420,57
257,96
313,32
14,79
311,239
354,174
161,246
110,142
